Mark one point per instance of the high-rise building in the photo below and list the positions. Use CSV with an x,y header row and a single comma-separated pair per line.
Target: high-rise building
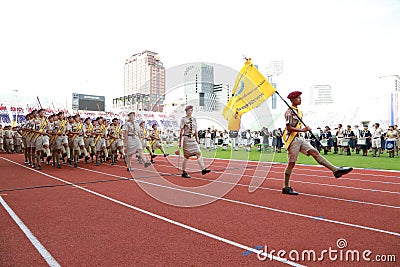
x,y
199,86
223,92
321,94
144,83
274,70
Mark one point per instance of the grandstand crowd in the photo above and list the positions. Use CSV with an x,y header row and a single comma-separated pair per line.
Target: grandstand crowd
x,y
343,141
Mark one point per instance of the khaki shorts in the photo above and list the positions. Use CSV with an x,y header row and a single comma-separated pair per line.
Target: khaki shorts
x,y
9,142
78,142
24,141
376,143
117,143
101,143
31,141
298,145
38,143
156,145
46,140
89,142
60,142
18,141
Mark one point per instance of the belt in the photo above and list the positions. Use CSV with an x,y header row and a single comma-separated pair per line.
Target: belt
x,y
131,134
189,135
376,137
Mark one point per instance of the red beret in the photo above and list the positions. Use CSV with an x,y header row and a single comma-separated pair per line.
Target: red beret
x,y
188,107
294,94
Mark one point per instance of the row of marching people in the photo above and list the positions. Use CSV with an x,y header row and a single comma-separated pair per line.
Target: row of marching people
x,y
10,139
56,139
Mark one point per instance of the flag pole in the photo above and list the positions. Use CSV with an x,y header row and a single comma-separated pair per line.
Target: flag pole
x,y
298,117
37,97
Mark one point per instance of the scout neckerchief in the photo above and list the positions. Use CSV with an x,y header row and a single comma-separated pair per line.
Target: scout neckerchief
x,y
78,129
190,126
144,133
363,133
116,133
25,130
134,129
102,127
153,140
90,128
9,133
59,130
289,139
43,125
33,128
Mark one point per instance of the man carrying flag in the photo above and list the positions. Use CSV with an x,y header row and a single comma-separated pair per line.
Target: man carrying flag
x,y
251,90
295,143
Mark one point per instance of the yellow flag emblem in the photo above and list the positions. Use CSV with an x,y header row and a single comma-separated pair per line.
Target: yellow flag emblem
x,y
251,90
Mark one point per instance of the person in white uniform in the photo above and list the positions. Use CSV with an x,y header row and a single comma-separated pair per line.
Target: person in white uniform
x,y
132,144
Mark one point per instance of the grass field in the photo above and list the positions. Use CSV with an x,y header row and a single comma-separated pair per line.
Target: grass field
x,y
383,162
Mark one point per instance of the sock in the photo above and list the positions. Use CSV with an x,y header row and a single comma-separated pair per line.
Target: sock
x,y
143,157
33,157
47,151
287,177
128,160
38,160
68,151
106,152
85,152
184,163
201,163
324,162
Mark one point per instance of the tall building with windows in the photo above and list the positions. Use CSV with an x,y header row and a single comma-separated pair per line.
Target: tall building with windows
x,y
199,87
321,94
223,93
144,83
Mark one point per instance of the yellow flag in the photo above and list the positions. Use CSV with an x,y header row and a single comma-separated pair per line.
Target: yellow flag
x,y
251,90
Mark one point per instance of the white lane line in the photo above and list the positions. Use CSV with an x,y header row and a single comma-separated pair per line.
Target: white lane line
x,y
314,183
308,175
302,171
273,189
283,164
252,205
185,226
35,242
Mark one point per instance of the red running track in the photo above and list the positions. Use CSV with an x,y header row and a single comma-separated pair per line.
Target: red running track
x,y
103,219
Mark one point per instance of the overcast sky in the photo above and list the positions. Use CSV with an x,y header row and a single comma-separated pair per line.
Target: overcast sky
x,y
80,46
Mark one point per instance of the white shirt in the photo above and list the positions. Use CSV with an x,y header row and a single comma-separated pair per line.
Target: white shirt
x,y
376,133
